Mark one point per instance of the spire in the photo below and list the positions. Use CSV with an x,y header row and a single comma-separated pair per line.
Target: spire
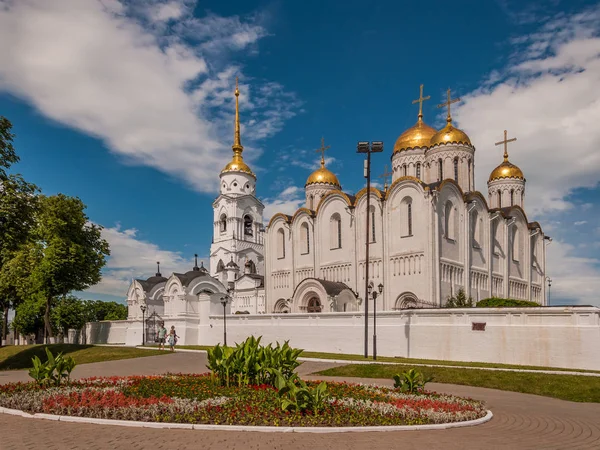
x,y
237,141
158,269
322,151
196,268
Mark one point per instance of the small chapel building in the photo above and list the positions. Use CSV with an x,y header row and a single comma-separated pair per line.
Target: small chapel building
x,y
431,233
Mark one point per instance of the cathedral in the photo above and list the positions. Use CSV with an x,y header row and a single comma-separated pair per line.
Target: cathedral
x,y
431,233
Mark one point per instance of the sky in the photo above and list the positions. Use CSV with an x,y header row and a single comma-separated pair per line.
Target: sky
x,y
128,105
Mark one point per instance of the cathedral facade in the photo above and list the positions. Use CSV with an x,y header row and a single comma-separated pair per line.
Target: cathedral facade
x,y
431,233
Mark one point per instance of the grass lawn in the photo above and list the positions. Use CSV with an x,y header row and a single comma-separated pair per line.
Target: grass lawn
x,y
15,357
566,387
410,361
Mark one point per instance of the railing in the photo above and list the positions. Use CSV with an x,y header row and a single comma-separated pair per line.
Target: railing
x,y
409,264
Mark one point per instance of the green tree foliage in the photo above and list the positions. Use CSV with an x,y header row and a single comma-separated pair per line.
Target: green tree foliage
x,y
68,313
18,206
97,310
459,300
29,316
8,156
495,302
70,250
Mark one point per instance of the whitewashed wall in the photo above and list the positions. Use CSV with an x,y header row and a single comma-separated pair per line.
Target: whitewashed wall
x,y
567,337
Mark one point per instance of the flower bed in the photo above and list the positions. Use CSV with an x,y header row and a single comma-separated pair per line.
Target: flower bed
x,y
198,399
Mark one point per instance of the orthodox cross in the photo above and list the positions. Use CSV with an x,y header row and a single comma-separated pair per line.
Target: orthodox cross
x,y
420,101
322,151
505,142
447,103
387,174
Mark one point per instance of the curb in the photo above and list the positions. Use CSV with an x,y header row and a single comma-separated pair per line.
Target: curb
x,y
262,429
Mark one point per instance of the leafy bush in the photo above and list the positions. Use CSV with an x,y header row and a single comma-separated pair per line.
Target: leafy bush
x,y
249,363
296,397
459,300
495,302
54,371
411,381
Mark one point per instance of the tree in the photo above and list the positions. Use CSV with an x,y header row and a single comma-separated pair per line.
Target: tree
x,y
29,315
70,251
18,207
8,156
460,300
68,313
97,310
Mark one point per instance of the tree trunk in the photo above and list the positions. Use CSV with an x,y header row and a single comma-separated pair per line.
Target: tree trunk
x,y
47,320
5,325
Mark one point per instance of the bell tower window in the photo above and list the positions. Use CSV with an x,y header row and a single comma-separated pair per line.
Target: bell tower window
x,y
247,225
223,223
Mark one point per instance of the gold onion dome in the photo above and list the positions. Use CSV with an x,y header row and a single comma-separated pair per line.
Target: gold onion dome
x,y
449,134
237,163
419,135
323,176
506,170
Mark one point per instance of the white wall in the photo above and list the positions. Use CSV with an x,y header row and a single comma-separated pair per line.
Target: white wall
x,y
565,337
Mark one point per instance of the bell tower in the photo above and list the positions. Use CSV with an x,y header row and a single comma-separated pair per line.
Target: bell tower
x,y
238,232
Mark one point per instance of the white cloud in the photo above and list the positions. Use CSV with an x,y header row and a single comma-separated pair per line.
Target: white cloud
x,y
132,257
288,202
580,222
117,72
573,277
548,100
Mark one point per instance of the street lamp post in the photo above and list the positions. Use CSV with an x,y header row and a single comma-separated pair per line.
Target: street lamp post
x,y
549,280
224,300
368,148
143,308
375,295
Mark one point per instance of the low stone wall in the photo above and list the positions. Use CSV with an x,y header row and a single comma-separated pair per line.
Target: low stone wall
x,y
566,337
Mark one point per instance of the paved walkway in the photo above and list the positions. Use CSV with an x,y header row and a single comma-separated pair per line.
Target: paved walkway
x,y
520,421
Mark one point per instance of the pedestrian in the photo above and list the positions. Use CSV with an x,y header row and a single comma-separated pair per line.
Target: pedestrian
x,y
162,335
172,338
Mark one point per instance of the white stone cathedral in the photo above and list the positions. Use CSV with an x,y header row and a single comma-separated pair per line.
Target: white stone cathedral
x,y
430,234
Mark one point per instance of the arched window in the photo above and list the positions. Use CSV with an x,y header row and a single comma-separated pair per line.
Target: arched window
x,y
314,305
496,240
251,266
499,199
311,200
223,223
372,224
280,243
470,169
476,229
404,170
512,197
449,221
418,171
515,244
406,227
247,225
456,169
335,231
220,266
304,239
522,199
440,170
409,218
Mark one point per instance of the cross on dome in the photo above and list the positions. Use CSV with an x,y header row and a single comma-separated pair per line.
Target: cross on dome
x,y
420,101
322,151
505,142
385,175
447,103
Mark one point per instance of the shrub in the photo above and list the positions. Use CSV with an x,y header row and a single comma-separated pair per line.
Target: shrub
x,y
54,371
459,300
296,396
495,302
250,363
411,381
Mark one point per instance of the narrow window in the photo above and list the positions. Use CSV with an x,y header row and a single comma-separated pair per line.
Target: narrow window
x,y
499,199
449,216
409,218
404,170
469,174
280,244
339,232
515,245
247,225
419,171
223,222
311,199
335,232
440,170
512,197
305,243
372,224
456,169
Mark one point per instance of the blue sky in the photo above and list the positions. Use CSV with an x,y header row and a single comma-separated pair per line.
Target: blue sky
x,y
128,105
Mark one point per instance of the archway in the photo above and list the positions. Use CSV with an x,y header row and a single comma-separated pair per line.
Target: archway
x,y
280,307
407,300
314,305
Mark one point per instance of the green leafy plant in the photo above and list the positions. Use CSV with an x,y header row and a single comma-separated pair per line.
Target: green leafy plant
x,y
495,302
55,371
411,381
459,300
249,363
296,396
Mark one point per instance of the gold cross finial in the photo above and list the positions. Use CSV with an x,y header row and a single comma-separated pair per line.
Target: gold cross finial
x,y
322,151
385,175
447,103
505,142
420,101
237,140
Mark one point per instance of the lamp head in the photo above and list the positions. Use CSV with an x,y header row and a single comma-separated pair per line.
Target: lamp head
x,y
377,146
143,308
370,287
380,288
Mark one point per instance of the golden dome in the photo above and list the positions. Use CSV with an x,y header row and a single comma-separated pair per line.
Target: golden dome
x,y
237,164
324,176
419,135
506,170
450,135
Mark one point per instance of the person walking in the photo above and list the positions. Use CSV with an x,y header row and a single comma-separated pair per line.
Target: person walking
x,y
172,338
162,336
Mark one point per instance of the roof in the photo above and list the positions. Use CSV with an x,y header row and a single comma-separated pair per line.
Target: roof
x,y
255,276
188,277
148,284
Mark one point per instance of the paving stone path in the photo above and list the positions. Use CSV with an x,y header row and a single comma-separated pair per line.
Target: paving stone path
x,y
521,421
